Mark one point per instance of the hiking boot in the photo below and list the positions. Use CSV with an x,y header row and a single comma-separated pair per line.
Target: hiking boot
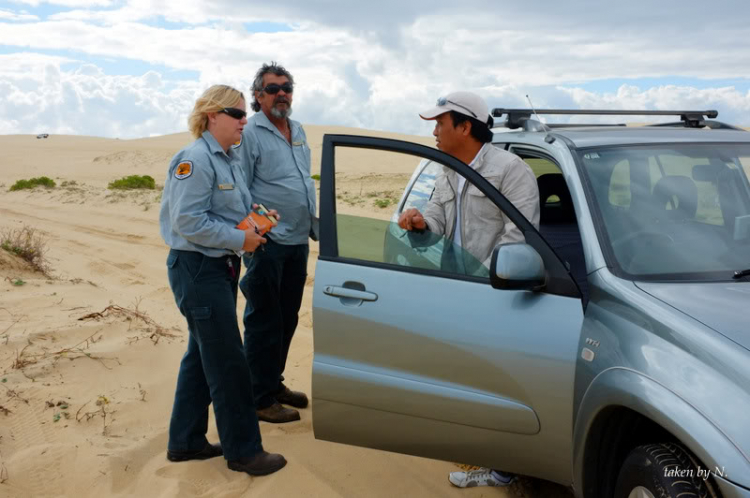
x,y
286,396
481,477
262,464
277,414
210,451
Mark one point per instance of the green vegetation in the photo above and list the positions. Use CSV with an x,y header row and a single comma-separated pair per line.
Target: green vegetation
x,y
41,181
133,182
352,200
28,244
383,203
71,183
384,199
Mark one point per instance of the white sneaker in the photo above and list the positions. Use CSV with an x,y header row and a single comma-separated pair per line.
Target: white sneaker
x,y
481,477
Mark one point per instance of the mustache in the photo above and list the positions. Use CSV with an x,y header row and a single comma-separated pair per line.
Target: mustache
x,y
281,100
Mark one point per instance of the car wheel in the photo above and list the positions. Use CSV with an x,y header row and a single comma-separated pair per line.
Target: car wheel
x,y
663,471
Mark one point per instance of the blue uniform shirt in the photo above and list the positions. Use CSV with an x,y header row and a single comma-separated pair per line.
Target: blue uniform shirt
x,y
204,198
278,176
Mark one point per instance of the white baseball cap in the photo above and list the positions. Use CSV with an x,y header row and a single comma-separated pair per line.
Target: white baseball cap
x,y
466,103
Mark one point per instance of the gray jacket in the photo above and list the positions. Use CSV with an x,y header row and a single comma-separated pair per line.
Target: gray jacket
x,y
483,226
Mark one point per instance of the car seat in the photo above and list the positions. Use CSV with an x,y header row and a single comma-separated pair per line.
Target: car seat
x,y
676,198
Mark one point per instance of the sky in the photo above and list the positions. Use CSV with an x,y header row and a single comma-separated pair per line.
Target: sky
x,y
133,68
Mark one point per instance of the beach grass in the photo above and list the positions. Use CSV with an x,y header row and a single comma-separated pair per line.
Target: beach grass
x,y
42,181
133,182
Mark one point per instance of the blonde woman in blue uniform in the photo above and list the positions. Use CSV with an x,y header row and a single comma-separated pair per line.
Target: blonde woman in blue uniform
x,y
205,197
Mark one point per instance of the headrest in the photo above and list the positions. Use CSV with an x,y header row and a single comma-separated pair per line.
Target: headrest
x,y
677,195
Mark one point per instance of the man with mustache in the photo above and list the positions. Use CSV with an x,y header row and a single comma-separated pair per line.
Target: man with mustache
x,y
275,157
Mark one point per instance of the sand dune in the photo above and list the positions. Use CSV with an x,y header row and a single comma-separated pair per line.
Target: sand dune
x,y
86,398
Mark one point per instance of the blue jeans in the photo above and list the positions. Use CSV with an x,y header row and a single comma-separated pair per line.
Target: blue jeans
x,y
214,368
273,287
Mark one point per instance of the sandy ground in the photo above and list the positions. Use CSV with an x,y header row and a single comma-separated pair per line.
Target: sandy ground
x,y
89,355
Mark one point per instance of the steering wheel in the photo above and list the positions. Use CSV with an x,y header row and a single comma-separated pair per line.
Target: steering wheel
x,y
626,256
632,236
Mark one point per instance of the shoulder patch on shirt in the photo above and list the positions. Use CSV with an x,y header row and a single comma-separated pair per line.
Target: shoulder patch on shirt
x,y
237,143
183,170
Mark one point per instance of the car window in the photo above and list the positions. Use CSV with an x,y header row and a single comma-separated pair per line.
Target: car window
x,y
620,190
679,211
558,224
421,190
540,166
367,214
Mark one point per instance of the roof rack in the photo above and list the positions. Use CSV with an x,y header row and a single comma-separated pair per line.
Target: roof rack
x,y
519,118
708,123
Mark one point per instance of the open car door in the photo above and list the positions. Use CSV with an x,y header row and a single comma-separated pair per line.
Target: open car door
x,y
416,355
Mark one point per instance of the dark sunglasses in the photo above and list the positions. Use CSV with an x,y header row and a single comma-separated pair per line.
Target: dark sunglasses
x,y
442,101
233,112
274,88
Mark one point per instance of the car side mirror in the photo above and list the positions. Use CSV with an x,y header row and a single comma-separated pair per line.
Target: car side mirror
x,y
517,266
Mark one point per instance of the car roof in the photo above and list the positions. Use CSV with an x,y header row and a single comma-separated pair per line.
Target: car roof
x,y
598,136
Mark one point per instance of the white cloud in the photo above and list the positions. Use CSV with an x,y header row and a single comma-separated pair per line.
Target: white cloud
x,y
67,3
87,101
371,65
188,11
734,105
7,15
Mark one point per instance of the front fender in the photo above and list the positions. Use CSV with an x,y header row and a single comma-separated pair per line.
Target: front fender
x,y
623,387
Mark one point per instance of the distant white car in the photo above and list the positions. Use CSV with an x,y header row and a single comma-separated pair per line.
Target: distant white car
x,y
43,135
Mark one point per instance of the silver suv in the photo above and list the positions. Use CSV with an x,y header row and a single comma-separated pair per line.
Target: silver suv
x,y
609,352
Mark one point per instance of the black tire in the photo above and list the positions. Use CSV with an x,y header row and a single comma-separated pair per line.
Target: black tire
x,y
666,470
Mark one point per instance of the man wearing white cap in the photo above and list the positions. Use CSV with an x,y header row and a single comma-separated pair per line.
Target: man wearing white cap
x,y
463,129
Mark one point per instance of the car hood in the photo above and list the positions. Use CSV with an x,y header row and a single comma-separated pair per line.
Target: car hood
x,y
721,306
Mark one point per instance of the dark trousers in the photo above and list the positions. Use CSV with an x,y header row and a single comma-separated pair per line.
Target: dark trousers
x,y
273,287
214,368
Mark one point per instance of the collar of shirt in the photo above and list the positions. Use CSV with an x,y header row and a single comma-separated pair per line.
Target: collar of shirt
x,y
477,156
214,146
455,180
262,120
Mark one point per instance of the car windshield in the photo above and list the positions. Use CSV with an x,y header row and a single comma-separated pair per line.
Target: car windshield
x,y
673,212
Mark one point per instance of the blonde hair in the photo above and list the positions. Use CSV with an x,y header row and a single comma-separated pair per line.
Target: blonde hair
x,y
213,99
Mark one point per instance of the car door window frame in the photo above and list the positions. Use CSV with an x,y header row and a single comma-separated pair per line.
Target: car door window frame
x,y
559,280
523,151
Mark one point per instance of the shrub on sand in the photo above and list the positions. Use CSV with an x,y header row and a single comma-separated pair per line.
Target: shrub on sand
x,y
41,181
133,182
28,244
